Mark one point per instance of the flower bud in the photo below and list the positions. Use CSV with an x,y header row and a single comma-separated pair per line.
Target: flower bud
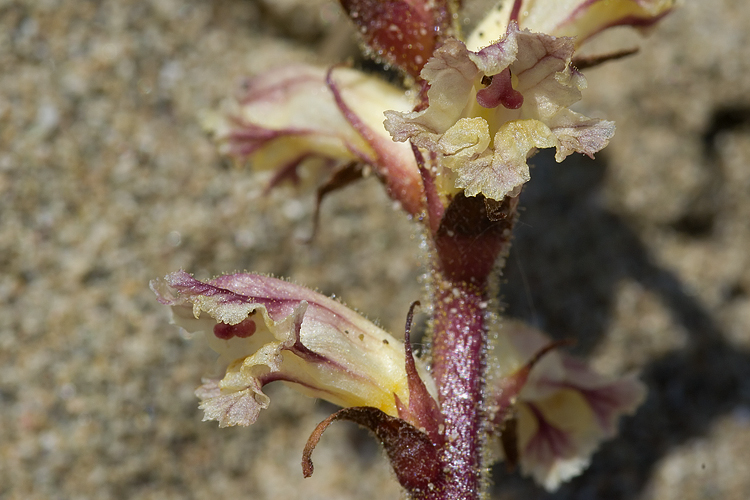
x,y
403,33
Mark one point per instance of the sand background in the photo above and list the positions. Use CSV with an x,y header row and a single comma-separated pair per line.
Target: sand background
x,y
107,181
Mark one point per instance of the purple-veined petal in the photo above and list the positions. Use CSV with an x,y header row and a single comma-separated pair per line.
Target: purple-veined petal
x,y
297,114
266,329
574,18
485,130
564,410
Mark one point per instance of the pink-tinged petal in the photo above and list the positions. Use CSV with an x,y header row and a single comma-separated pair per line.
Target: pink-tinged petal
x,y
403,33
574,18
565,409
506,388
399,174
607,398
549,86
581,134
554,450
297,115
489,111
312,342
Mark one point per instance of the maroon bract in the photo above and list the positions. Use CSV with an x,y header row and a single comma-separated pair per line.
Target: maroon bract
x,y
403,33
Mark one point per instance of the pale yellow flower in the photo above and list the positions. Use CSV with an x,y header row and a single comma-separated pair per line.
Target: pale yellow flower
x,y
564,409
490,110
303,114
267,330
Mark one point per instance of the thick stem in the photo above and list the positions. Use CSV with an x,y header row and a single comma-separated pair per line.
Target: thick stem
x,y
459,347
468,245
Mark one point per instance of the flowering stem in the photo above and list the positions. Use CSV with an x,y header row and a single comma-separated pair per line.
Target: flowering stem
x,y
459,349
468,246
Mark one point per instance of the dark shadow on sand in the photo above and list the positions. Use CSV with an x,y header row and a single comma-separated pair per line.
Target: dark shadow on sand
x,y
569,255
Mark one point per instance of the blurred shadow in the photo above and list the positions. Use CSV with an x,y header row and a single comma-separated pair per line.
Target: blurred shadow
x,y
568,256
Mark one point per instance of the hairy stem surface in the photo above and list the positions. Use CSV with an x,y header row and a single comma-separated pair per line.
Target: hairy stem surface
x,y
468,243
459,349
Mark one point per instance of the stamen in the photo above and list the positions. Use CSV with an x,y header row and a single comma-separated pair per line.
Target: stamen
x,y
242,330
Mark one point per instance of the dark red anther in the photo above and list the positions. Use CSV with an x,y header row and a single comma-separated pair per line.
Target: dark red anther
x,y
242,330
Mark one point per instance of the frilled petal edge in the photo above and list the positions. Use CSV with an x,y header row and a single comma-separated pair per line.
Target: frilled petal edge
x,y
489,111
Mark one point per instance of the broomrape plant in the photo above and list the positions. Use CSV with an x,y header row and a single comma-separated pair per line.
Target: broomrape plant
x,y
452,150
